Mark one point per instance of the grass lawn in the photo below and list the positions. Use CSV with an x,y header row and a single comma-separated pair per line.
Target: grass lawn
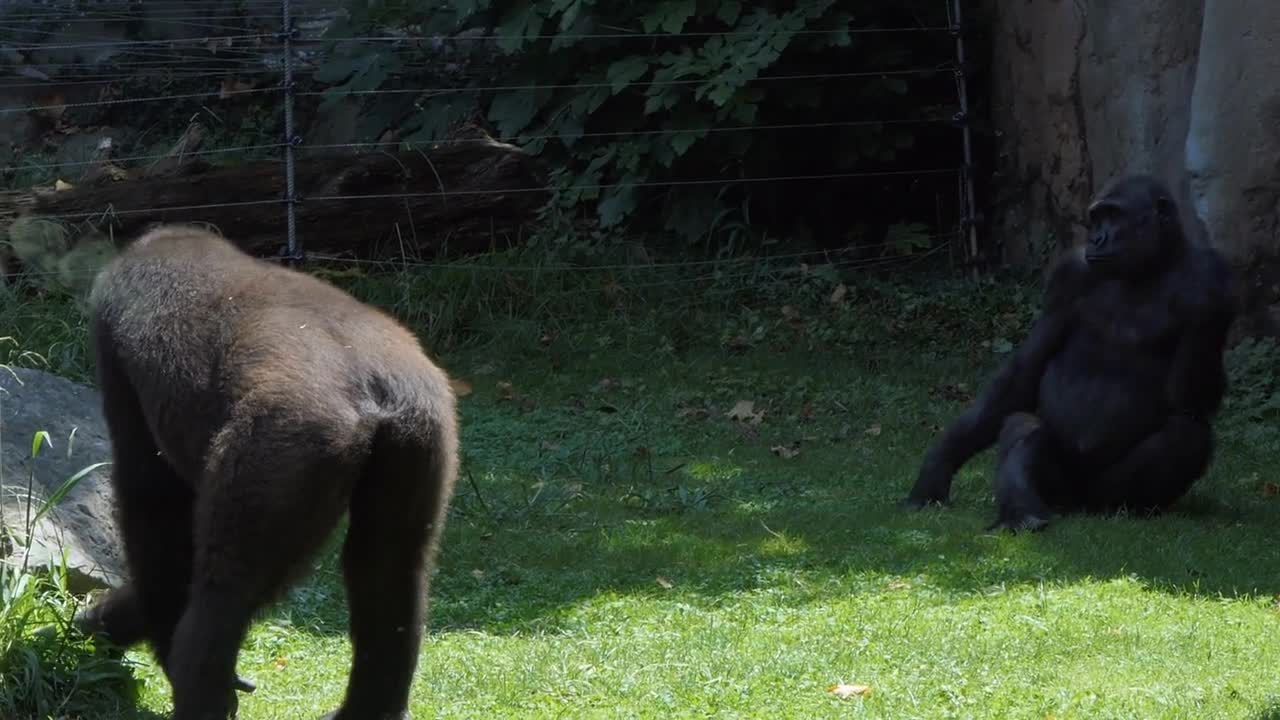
x,y
624,544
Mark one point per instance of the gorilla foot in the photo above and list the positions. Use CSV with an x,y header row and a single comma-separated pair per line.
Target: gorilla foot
x,y
912,502
1016,522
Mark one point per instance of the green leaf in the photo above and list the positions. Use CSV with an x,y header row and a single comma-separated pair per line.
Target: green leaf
x,y
566,38
63,489
601,160
626,71
660,99
664,154
464,8
569,13
512,111
570,131
905,238
436,119
618,202
670,15
40,439
336,70
745,112
729,12
719,92
523,22
681,142
840,35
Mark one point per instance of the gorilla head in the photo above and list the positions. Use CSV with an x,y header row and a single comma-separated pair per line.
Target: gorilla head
x,y
1133,226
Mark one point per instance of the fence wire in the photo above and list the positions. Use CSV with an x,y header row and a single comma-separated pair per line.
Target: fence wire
x,y
260,53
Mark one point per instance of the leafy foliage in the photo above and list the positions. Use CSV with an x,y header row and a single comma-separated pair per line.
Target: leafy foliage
x,y
653,114
1254,398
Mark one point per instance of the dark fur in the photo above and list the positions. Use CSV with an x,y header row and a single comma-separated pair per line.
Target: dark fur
x,y
1108,403
249,407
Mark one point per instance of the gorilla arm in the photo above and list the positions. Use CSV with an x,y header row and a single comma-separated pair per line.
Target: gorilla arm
x,y
1197,379
1013,388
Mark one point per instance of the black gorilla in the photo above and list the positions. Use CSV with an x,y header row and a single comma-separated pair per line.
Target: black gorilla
x,y
250,406
1108,403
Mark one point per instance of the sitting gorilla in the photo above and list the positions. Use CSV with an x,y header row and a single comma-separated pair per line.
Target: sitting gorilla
x,y
1108,402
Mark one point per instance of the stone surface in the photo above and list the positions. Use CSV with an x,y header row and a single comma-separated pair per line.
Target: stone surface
x,y
1034,104
83,523
1233,148
1084,90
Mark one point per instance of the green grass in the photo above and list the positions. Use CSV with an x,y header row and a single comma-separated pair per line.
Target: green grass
x,y
619,548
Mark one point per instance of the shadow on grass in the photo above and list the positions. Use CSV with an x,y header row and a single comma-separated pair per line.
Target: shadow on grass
x,y
1270,713
707,507
525,575
569,502
49,676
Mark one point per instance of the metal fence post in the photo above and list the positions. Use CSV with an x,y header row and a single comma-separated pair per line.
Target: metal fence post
x,y
969,217
287,33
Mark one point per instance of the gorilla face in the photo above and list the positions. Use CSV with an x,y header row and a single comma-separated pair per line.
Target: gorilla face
x,y
1128,226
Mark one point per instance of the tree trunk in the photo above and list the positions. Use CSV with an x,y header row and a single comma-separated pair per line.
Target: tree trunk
x,y
461,197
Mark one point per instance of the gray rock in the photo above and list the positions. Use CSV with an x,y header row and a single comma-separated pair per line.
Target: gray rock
x,y
1234,140
82,524
1083,91
1189,91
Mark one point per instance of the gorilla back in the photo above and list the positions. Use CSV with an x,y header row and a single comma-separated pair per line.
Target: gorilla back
x,y
250,406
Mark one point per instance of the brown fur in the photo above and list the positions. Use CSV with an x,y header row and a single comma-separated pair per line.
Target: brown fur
x,y
250,406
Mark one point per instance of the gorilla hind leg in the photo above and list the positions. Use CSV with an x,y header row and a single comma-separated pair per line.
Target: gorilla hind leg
x,y
1158,471
397,516
154,510
1027,475
267,502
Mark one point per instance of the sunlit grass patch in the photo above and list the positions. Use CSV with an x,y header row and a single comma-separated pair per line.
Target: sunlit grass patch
x,y
622,544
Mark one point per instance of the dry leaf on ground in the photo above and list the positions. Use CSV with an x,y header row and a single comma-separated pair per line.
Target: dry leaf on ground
x,y
786,452
745,411
461,387
845,691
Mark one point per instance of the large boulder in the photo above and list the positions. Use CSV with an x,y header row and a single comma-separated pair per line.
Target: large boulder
x,y
1188,90
82,524
1233,148
1083,91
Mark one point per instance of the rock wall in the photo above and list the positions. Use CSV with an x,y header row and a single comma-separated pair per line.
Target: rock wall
x,y
1189,90
1233,148
82,525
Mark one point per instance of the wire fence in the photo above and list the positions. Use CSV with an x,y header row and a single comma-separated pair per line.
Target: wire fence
x,y
62,60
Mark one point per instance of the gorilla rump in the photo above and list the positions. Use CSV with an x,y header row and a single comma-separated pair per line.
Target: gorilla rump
x,y
250,406
1108,402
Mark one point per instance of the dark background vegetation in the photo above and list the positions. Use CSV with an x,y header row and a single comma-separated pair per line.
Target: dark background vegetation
x,y
696,127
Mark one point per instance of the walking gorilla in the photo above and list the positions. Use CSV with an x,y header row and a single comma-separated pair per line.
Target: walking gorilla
x,y
1108,403
250,407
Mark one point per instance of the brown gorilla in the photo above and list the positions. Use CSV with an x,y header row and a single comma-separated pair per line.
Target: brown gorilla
x,y
249,407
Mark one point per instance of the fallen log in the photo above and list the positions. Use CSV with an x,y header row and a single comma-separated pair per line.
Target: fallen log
x,y
461,197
